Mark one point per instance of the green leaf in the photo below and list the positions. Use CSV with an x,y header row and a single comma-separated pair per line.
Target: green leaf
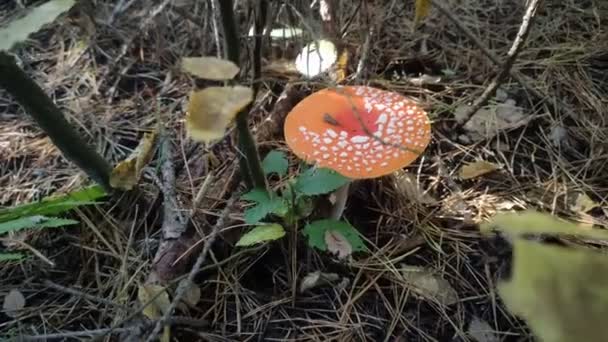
x,y
260,234
316,233
54,205
18,30
275,161
317,181
532,222
560,292
11,256
265,205
36,221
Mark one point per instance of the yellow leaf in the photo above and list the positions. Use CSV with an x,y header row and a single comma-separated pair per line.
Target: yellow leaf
x,y
158,298
212,109
476,169
210,68
422,10
341,66
125,174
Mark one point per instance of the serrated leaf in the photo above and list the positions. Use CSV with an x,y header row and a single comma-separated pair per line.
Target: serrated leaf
x,y
36,221
212,109
54,205
259,234
265,205
422,8
560,292
11,256
476,169
429,285
316,234
158,298
126,173
13,303
316,58
18,30
531,222
276,162
210,68
317,181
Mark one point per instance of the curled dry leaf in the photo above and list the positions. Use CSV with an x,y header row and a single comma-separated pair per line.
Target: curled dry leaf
x,y
338,244
210,68
13,303
316,279
492,119
158,298
126,174
583,203
212,109
429,285
476,169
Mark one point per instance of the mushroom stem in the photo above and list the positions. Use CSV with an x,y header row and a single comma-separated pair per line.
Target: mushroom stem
x,y
339,205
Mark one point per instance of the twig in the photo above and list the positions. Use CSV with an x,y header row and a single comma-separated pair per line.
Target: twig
x,y
518,42
195,269
364,56
81,294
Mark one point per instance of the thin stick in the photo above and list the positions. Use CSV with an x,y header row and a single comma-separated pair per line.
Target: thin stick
x,y
81,294
195,269
518,42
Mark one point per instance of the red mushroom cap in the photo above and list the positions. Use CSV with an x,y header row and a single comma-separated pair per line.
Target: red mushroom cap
x,y
324,129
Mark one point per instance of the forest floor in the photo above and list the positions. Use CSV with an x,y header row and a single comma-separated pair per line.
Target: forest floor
x,y
112,71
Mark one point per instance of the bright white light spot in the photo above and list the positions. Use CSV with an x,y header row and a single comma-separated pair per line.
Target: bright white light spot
x,y
325,155
382,119
332,133
359,139
327,140
316,58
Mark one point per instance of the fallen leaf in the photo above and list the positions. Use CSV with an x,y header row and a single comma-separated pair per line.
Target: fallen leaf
x,y
422,8
212,109
492,119
341,67
261,234
281,68
407,184
481,331
13,303
126,173
192,294
316,58
158,298
318,236
338,244
210,68
316,279
583,203
429,286
476,169
560,292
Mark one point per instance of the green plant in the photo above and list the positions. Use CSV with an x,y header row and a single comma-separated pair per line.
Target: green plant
x,y
42,214
294,201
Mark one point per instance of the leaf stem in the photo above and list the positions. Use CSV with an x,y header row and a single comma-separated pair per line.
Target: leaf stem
x,y
42,109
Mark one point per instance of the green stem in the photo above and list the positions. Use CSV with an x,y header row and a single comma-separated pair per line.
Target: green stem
x,y
38,104
252,167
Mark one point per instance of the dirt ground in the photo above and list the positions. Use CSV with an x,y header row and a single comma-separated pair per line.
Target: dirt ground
x,y
112,71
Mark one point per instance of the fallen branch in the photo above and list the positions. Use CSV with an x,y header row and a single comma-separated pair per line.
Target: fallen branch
x,y
518,42
182,288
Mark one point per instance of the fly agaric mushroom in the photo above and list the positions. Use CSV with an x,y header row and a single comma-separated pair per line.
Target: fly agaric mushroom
x,y
325,128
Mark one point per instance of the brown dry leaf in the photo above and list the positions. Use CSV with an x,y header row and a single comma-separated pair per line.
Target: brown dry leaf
x,y
337,243
492,119
126,174
210,68
212,109
407,184
476,169
422,10
159,297
429,285
13,303
341,67
316,279
281,68
481,331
